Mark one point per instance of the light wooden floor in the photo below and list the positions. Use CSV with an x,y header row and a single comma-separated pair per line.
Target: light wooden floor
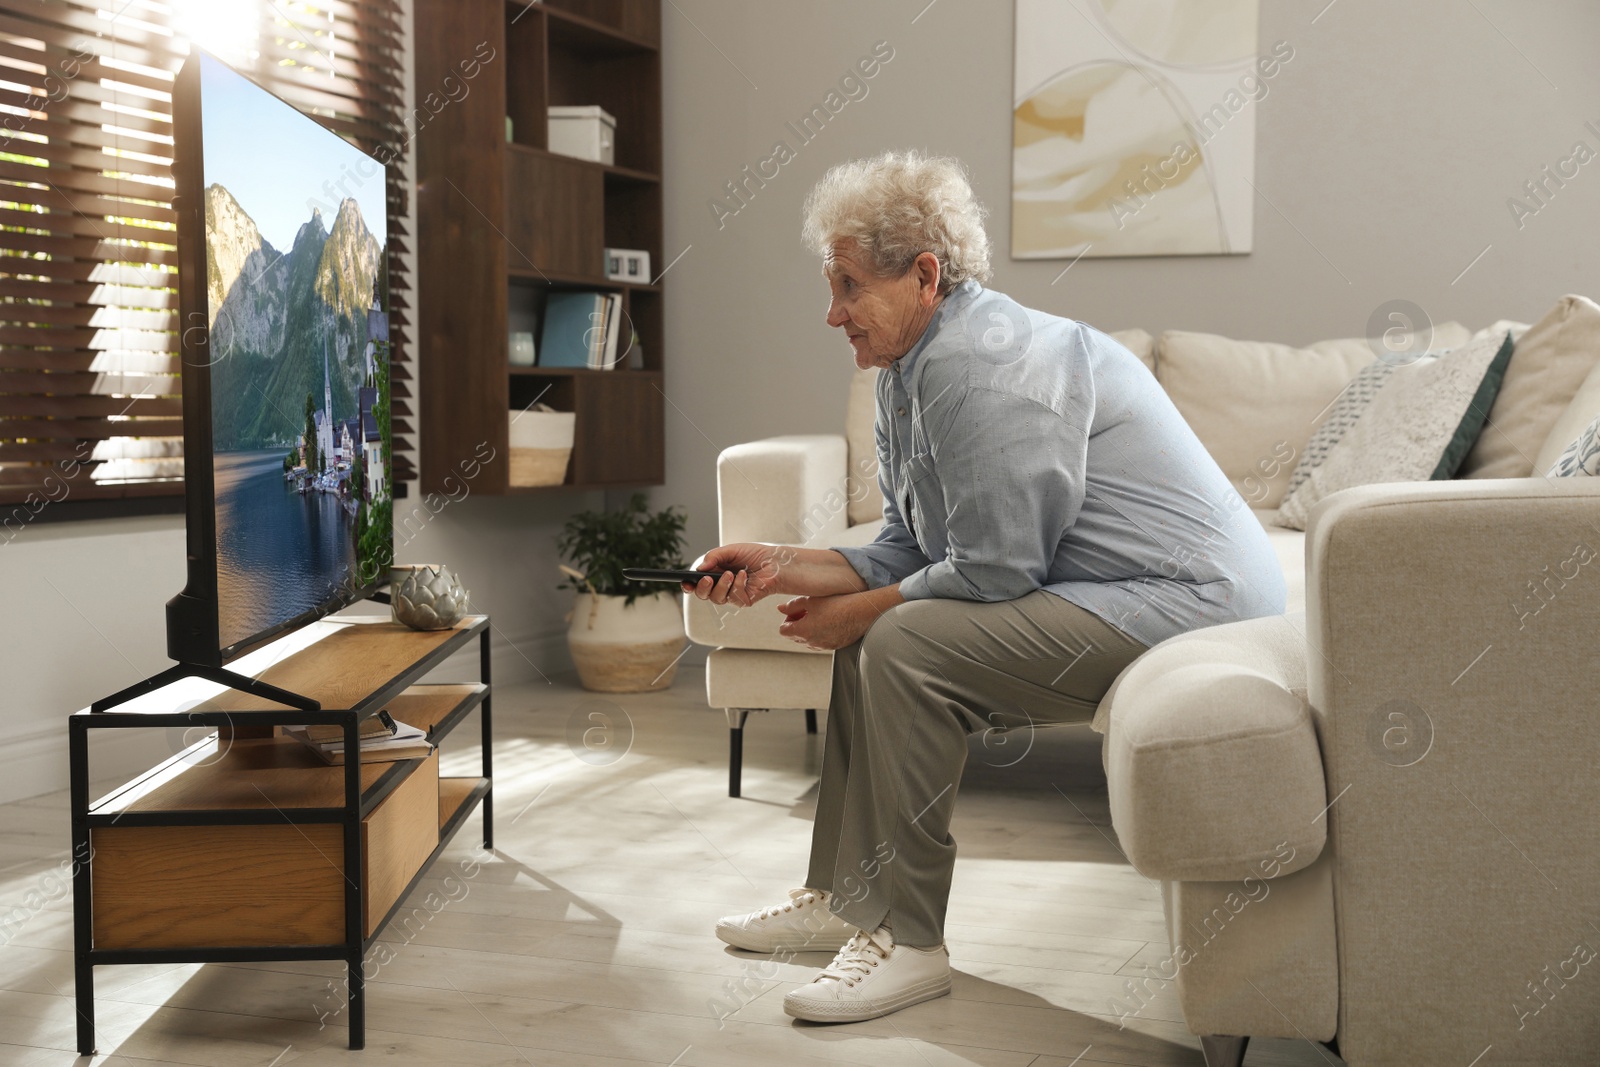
x,y
586,938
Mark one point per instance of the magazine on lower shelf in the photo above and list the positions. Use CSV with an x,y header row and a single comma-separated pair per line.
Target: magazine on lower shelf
x,y
394,741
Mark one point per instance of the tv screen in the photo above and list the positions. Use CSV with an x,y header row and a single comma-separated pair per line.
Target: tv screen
x,y
287,433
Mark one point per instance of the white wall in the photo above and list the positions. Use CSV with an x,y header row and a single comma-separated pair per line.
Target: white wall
x,y
1388,146
85,618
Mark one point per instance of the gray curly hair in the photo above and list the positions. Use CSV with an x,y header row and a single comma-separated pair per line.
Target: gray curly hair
x,y
896,206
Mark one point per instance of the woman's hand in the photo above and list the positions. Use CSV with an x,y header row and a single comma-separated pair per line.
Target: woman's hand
x,y
828,623
750,573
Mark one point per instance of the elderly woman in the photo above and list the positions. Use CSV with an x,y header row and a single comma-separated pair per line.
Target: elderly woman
x,y
1048,516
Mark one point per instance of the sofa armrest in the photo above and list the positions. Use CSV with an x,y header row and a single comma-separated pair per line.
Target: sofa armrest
x,y
1472,599
783,490
1431,574
1211,757
1453,674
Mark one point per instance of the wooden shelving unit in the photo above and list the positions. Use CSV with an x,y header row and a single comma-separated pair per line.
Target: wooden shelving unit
x,y
245,845
501,224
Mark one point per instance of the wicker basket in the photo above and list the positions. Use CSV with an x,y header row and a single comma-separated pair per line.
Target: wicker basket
x,y
539,466
541,446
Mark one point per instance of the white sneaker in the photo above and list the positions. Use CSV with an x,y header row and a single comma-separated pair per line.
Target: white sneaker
x,y
871,976
802,922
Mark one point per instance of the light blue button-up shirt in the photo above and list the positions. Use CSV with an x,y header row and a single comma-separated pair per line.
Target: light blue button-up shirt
x,y
1020,451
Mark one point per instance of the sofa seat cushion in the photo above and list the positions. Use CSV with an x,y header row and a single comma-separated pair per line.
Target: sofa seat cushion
x,y
740,678
1290,546
756,627
1212,761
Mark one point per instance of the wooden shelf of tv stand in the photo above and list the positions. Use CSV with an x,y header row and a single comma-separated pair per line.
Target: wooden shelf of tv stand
x,y
354,663
280,772
237,841
405,804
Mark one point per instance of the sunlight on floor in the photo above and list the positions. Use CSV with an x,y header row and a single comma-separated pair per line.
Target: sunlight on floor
x,y
586,938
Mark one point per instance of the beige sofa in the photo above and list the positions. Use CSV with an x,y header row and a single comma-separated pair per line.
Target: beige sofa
x,y
1372,817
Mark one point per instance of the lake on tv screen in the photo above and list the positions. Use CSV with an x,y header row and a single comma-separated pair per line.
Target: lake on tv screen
x,y
279,553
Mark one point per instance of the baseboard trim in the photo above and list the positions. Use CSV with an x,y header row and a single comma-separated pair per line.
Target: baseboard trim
x,y
34,765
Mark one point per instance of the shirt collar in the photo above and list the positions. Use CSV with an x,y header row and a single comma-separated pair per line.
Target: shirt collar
x,y
954,303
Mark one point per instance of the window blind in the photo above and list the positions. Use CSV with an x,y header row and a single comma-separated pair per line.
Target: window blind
x,y
90,405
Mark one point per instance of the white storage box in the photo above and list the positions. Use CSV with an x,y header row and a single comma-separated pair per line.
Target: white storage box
x,y
541,445
584,132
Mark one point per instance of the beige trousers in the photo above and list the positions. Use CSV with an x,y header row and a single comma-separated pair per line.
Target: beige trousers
x,y
904,699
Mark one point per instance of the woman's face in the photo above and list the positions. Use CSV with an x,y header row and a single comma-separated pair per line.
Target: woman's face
x,y
882,316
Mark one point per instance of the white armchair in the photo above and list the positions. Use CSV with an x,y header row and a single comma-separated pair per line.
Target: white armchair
x,y
818,490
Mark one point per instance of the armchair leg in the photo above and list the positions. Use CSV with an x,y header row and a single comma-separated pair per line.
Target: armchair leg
x,y
811,720
1224,1051
736,719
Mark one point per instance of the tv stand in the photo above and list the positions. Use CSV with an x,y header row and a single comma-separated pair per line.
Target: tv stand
x,y
245,846
221,675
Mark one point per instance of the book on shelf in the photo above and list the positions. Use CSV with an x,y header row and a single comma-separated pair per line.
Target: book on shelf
x,y
613,326
581,330
404,742
380,725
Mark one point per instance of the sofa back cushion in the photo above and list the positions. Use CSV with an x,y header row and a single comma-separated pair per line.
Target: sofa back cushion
x,y
1580,413
861,412
1581,457
1255,404
1417,428
1551,361
1140,343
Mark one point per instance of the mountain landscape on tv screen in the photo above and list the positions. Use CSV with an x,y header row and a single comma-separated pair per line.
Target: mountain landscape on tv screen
x,y
276,316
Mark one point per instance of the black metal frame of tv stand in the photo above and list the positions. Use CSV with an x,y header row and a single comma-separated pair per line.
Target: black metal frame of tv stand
x,y
357,805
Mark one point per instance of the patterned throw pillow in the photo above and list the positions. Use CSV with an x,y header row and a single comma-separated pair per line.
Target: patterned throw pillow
x,y
1418,428
1581,456
1346,410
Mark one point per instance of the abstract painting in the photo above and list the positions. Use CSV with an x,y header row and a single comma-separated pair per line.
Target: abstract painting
x,y
1134,127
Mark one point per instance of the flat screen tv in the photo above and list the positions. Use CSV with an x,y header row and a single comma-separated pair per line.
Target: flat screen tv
x,y
283,293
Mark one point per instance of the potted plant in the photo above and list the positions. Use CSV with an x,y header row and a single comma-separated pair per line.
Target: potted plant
x,y
625,637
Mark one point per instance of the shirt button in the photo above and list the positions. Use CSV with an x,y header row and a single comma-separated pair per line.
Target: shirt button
x,y
899,411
